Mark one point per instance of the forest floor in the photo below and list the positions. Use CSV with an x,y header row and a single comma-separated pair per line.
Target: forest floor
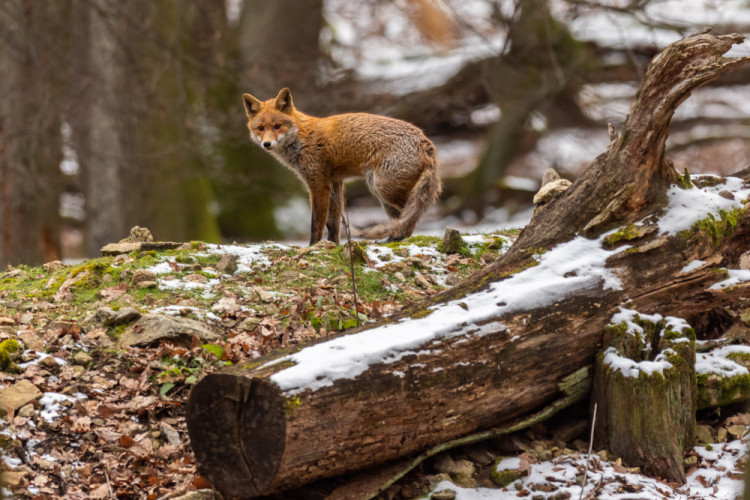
x,y
108,348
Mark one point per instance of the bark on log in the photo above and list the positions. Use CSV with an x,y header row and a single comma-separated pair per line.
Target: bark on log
x,y
478,356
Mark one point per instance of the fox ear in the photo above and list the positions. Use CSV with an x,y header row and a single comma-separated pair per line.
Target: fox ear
x,y
252,105
284,101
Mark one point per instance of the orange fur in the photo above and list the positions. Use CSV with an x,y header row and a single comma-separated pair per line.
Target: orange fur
x,y
397,161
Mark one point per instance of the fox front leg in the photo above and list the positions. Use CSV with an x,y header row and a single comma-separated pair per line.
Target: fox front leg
x,y
319,202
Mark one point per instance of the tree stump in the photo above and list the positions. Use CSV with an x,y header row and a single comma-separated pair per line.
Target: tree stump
x,y
645,388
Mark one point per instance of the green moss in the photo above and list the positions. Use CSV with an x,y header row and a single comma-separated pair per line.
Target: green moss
x,y
291,404
626,233
7,348
716,230
422,314
683,180
739,357
504,477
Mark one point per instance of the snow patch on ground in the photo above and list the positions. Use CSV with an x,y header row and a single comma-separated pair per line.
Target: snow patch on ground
x,y
718,476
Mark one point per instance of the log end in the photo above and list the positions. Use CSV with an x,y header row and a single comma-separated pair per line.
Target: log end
x,y
237,431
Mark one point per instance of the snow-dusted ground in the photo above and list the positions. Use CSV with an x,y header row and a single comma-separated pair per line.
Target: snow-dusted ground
x,y
718,476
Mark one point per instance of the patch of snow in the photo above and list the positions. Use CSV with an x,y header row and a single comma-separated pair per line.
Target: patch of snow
x,y
177,284
714,478
248,256
512,463
175,310
692,266
688,206
51,403
736,276
716,362
38,356
632,368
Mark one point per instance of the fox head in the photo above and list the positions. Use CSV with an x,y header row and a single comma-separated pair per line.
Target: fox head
x,y
270,122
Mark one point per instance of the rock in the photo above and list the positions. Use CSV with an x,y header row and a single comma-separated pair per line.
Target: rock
x,y
422,281
354,250
26,411
173,437
14,479
119,248
726,194
452,241
151,328
227,305
324,245
479,455
745,260
19,394
138,235
690,461
548,191
82,358
141,275
53,266
227,264
31,340
453,279
290,275
737,431
249,324
15,273
703,434
263,294
550,175
196,278
721,434
462,471
446,494
110,317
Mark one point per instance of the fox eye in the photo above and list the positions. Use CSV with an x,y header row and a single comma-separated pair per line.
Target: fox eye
x,y
260,128
277,126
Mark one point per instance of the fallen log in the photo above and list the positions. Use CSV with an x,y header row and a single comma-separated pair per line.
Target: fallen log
x,y
495,348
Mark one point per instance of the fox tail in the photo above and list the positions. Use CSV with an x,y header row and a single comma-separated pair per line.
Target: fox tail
x,y
425,192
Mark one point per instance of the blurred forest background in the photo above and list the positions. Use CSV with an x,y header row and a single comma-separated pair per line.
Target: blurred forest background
x,y
117,113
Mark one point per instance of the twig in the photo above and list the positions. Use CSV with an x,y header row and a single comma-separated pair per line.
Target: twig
x,y
588,458
109,485
351,260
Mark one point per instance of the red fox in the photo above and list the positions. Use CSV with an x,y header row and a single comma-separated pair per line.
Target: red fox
x,y
398,162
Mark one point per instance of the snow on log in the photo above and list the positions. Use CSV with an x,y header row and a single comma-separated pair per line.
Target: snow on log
x,y
496,347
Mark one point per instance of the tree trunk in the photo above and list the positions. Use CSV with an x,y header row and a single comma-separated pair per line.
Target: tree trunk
x,y
494,348
30,152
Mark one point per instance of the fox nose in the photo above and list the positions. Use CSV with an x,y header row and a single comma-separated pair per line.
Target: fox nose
x,y
267,144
